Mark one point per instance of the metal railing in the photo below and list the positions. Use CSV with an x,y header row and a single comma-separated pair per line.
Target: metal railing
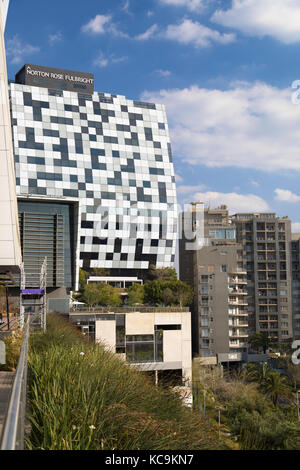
x,y
127,309
13,432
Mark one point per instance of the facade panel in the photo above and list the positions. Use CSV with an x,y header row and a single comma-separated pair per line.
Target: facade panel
x,y
110,154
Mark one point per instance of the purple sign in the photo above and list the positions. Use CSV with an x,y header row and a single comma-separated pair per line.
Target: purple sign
x,y
33,291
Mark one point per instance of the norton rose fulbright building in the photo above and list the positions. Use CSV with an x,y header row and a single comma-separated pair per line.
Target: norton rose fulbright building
x,y
95,178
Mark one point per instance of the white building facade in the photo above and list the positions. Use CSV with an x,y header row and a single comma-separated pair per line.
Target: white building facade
x,y
10,250
107,156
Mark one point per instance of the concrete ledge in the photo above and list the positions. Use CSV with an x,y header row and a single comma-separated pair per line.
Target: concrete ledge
x,y
157,365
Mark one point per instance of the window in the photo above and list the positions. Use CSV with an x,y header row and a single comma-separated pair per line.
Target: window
x,y
224,268
145,348
120,333
222,233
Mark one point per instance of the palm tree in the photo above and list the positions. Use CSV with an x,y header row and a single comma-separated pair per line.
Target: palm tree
x,y
276,386
256,372
260,340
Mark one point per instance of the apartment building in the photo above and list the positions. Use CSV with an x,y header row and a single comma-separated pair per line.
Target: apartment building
x,y
215,271
295,267
266,241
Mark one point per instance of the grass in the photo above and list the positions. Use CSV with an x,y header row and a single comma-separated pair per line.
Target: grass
x,y
13,344
247,412
82,397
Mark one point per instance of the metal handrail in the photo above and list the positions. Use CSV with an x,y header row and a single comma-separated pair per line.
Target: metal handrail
x,y
13,432
140,309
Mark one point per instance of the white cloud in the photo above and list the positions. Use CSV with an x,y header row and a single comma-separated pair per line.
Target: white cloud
x,y
163,73
126,7
17,50
235,202
296,227
102,24
286,195
192,5
188,189
192,32
97,25
149,33
178,178
54,38
248,126
103,61
279,19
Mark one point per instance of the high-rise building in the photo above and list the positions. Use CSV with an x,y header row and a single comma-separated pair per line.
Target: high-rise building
x,y
214,270
94,177
266,241
295,268
10,251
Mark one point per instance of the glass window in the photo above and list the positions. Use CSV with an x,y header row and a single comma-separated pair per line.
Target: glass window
x,y
144,348
204,289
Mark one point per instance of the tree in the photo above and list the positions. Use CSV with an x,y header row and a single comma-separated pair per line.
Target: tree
x,y
108,295
162,274
91,294
184,293
255,372
136,294
276,385
82,279
260,340
168,293
293,373
153,292
168,296
100,272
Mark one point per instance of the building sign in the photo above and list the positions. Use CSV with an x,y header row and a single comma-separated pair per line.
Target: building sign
x,y
58,79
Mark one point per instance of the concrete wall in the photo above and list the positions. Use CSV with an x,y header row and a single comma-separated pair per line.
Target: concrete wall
x,y
105,333
177,344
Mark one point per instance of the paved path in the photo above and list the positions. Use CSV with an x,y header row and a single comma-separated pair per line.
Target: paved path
x,y
6,381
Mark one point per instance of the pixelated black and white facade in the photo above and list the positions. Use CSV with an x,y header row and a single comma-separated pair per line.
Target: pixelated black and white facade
x,y
110,154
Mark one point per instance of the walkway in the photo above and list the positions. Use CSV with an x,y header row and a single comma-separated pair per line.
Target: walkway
x,y
6,381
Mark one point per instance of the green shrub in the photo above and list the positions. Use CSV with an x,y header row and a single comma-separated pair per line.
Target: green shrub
x,y
13,344
83,397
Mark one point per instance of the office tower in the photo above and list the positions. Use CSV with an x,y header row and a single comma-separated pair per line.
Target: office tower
x,y
10,251
214,270
96,169
295,268
266,242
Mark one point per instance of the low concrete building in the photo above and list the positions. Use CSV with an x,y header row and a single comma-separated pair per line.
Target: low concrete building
x,y
151,339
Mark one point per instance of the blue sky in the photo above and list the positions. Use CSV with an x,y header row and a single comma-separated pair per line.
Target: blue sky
x,y
223,68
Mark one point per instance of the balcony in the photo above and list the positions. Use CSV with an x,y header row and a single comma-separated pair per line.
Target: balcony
x,y
237,280
238,324
237,302
238,291
238,334
237,345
